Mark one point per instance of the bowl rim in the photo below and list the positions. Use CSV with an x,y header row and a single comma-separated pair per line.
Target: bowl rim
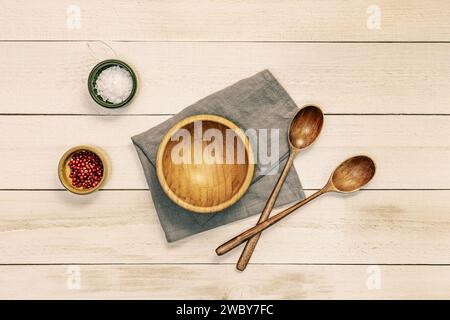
x,y
250,169
95,71
63,160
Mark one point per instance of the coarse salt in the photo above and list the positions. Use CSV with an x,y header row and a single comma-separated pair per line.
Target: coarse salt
x,y
114,84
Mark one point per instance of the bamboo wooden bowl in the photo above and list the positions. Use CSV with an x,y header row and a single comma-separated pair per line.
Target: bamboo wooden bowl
x,y
204,186
64,169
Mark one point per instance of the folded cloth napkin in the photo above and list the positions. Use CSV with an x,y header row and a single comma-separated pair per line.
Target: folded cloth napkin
x,y
258,102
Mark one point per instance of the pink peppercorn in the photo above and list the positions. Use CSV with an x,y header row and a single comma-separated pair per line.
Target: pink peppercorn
x,y
86,169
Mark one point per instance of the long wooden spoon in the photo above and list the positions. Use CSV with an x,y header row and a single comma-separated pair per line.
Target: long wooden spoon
x,y
305,127
348,177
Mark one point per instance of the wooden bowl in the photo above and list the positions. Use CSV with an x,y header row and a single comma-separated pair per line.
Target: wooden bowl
x,y
198,184
64,169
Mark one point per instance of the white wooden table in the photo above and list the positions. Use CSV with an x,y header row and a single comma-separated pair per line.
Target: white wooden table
x,y
385,91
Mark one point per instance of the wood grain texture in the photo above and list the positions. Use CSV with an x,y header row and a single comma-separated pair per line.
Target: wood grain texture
x,y
341,77
303,131
374,227
322,52
202,282
411,152
205,173
285,20
350,176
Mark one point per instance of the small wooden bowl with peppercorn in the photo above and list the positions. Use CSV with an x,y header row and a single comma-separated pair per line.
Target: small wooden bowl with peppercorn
x,y
83,169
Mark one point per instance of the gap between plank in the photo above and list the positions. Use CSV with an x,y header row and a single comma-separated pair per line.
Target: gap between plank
x,y
144,189
172,114
225,263
231,41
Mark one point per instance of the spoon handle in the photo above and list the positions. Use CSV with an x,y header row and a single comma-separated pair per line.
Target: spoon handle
x,y
251,244
249,233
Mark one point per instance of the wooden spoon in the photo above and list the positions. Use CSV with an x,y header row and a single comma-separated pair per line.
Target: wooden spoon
x,y
348,177
305,127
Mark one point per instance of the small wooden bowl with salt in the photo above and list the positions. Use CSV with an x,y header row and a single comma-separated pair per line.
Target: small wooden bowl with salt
x,y
112,83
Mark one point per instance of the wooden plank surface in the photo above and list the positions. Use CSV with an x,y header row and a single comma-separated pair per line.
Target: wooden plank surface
x,y
51,77
329,20
323,52
371,227
201,282
407,149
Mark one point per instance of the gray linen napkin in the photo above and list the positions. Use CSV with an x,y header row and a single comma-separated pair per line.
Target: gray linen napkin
x,y
258,102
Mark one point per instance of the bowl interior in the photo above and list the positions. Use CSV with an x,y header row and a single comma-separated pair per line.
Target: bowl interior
x,y
64,169
207,172
96,72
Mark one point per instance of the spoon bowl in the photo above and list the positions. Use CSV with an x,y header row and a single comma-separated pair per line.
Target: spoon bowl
x,y
352,174
305,127
349,176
